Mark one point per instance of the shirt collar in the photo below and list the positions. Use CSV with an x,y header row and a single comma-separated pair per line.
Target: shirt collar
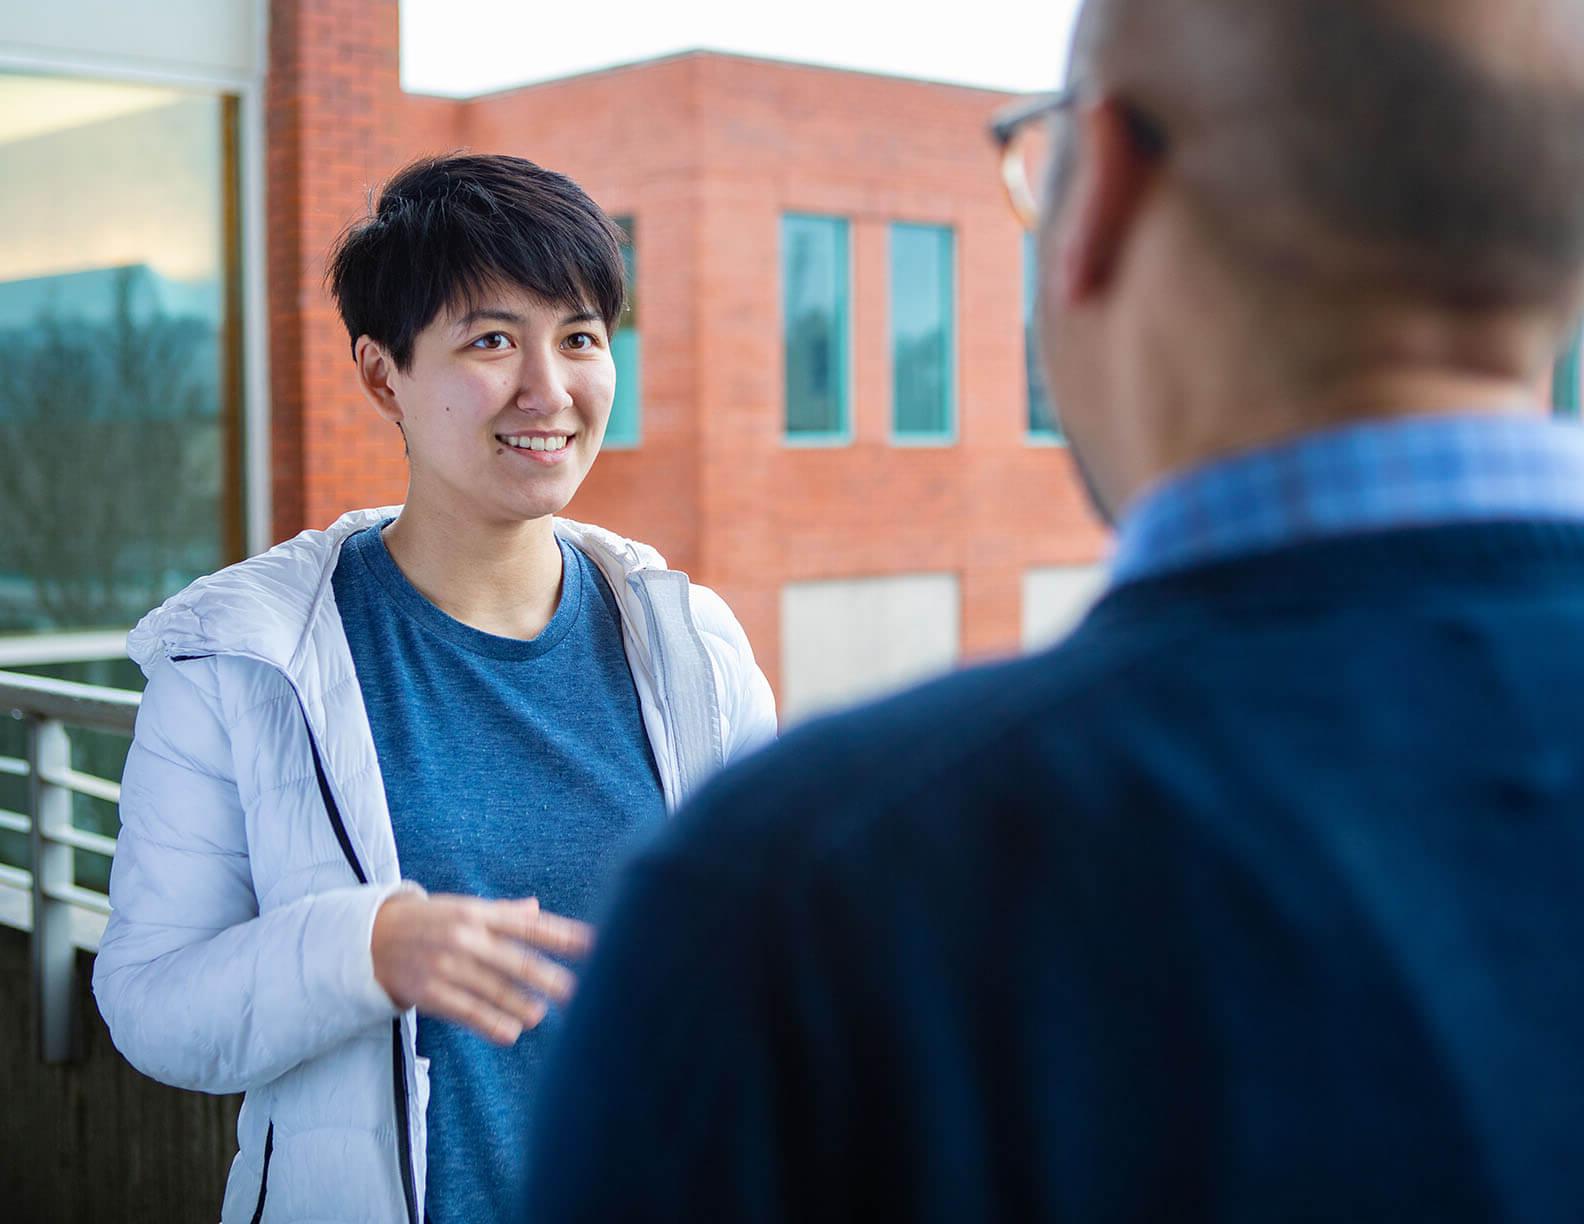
x,y
1375,476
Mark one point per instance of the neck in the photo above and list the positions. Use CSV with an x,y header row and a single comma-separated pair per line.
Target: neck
x,y
502,578
1254,363
1380,396
1234,415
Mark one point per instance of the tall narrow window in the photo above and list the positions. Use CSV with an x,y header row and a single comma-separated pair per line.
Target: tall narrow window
x,y
1041,416
1565,380
624,430
923,339
815,292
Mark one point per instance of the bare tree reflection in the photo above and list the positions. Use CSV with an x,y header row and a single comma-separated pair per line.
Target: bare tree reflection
x,y
110,463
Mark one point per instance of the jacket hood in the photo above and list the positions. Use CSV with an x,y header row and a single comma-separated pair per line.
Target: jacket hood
x,y
264,607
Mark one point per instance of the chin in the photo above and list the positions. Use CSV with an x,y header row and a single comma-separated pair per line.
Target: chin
x,y
543,502
524,496
531,511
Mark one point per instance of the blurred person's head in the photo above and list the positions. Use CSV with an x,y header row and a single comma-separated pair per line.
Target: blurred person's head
x,y
1269,216
480,294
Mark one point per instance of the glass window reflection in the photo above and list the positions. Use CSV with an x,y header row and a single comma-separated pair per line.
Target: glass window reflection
x,y
120,367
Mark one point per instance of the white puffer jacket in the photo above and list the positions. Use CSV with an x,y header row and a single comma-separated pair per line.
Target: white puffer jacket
x,y
256,846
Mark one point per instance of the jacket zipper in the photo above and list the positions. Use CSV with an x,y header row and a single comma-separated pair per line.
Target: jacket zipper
x,y
398,1050
399,1060
269,1150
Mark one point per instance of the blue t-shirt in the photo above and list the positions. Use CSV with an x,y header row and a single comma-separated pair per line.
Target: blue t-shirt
x,y
512,769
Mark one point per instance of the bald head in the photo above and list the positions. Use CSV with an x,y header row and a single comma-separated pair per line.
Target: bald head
x,y
1430,149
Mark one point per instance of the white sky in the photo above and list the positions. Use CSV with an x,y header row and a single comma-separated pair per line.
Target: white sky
x,y
464,47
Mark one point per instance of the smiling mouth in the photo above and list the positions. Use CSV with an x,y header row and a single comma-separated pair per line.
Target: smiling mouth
x,y
536,442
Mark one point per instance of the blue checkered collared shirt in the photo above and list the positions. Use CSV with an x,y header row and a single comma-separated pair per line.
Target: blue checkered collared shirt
x,y
1376,476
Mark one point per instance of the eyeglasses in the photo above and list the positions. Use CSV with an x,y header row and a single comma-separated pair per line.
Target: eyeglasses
x,y
1026,145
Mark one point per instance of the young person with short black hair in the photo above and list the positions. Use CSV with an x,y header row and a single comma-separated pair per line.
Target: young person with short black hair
x,y
382,772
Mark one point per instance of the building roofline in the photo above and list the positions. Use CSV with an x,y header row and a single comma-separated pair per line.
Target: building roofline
x,y
712,53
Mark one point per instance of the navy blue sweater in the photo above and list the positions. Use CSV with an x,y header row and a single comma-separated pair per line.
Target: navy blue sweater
x,y
1261,898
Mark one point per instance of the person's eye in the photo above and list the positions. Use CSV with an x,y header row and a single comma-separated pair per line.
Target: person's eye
x,y
581,342
492,343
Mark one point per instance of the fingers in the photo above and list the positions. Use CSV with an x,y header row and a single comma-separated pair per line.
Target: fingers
x,y
550,933
499,990
490,1022
522,964
480,964
559,936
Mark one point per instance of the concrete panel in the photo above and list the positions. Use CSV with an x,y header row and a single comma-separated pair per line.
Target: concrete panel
x,y
1055,599
849,640
196,37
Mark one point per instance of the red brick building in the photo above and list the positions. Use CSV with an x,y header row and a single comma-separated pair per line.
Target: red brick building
x,y
706,154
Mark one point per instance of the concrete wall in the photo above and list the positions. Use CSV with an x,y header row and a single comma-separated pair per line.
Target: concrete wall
x,y
1055,599
96,1142
852,639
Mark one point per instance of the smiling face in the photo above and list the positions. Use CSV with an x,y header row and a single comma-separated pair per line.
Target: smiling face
x,y
504,405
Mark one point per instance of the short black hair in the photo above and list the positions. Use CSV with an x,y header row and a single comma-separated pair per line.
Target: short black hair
x,y
447,229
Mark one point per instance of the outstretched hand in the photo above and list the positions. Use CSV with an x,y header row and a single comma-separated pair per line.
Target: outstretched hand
x,y
483,964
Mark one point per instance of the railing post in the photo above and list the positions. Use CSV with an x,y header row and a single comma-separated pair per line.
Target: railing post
x,y
54,952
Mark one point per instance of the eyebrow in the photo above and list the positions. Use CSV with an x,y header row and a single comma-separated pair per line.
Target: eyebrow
x,y
494,314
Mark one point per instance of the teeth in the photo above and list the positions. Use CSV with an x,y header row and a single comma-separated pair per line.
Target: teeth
x,y
539,444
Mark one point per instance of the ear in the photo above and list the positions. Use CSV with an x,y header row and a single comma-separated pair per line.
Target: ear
x,y
1111,178
376,371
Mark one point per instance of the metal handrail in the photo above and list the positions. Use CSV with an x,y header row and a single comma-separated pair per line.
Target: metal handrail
x,y
90,706
61,914
84,784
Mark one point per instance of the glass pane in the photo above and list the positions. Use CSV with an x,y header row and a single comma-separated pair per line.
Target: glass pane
x,y
1041,413
814,276
623,427
921,330
119,354
1565,380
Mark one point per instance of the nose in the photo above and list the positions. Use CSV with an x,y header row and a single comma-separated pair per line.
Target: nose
x,y
541,384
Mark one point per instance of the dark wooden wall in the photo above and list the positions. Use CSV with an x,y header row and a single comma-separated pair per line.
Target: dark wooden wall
x,y
97,1143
